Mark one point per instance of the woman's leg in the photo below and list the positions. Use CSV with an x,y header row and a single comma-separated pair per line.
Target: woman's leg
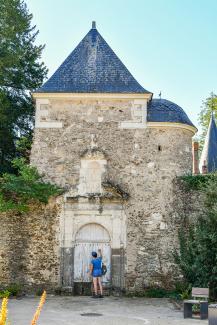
x,y
100,284
95,285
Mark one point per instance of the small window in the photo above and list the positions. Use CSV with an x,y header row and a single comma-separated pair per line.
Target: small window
x,y
159,148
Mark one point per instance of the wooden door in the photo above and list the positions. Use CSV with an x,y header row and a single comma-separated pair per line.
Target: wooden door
x,y
91,238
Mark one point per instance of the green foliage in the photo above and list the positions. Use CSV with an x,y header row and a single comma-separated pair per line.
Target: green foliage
x,y
161,293
21,72
186,293
5,294
186,257
156,293
39,292
196,309
23,146
197,256
17,191
181,286
197,182
209,105
14,289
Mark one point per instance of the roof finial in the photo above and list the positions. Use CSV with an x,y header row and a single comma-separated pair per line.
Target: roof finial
x,y
93,25
159,95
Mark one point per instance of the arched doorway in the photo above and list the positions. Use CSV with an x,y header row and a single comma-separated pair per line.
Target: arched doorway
x,y
91,237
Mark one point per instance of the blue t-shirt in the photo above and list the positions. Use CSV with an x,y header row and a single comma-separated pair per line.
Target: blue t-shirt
x,y
97,266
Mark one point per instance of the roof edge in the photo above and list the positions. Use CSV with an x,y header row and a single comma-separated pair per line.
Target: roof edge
x,y
147,96
188,127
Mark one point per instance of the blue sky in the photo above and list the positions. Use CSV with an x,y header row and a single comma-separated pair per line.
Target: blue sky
x,y
168,45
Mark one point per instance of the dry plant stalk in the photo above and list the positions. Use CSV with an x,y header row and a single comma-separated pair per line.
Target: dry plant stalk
x,y
3,313
37,313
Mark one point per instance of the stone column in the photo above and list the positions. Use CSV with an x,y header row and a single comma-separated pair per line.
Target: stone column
x,y
117,264
67,268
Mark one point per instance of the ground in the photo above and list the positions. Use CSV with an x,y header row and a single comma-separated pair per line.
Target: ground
x,y
112,310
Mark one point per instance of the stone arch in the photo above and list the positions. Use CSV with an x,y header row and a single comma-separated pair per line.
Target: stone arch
x,y
90,237
92,232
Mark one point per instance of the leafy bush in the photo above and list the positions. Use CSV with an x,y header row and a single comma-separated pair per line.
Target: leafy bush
x,y
161,293
197,255
5,294
186,293
181,286
14,289
197,182
155,293
17,191
195,309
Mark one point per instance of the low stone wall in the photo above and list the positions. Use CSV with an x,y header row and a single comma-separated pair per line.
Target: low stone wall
x,y
29,248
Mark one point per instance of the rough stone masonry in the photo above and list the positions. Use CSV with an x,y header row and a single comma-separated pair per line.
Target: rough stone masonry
x,y
142,162
116,152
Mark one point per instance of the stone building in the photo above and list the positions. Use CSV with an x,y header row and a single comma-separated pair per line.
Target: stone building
x,y
116,152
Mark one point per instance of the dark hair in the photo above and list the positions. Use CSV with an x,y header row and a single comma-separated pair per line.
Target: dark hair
x,y
94,254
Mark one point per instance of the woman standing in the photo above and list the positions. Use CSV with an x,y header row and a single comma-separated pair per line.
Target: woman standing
x,y
96,272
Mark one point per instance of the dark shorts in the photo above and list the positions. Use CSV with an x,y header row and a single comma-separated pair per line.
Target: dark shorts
x,y
97,273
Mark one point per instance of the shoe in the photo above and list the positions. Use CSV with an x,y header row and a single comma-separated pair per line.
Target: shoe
x,y
95,297
100,296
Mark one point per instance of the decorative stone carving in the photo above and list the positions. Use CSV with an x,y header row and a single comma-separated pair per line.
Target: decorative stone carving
x,y
91,171
43,117
138,115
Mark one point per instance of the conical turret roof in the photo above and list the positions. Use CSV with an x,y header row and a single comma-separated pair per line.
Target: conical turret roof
x,y
209,153
92,67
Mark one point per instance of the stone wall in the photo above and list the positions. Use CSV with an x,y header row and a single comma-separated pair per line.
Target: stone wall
x,y
29,250
30,245
143,161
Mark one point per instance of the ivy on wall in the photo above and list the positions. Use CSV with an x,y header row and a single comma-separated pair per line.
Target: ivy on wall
x,y
197,254
17,191
197,182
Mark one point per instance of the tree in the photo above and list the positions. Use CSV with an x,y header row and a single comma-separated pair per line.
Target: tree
x,y
208,106
197,256
21,72
17,192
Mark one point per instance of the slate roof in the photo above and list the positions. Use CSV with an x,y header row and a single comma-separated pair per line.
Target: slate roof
x,y
209,152
163,110
92,67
